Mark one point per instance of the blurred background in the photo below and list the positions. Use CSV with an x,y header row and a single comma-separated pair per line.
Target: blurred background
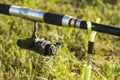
x,y
67,64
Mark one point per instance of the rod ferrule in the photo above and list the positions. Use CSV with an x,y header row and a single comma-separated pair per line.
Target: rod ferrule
x,y
69,21
65,20
35,15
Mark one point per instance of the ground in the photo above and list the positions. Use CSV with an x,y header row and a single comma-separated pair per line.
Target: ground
x,y
67,64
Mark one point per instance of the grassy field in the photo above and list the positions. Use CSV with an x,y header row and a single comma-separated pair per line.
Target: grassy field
x,y
67,64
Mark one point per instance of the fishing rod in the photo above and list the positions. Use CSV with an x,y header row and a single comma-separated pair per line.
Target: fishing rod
x,y
56,19
46,47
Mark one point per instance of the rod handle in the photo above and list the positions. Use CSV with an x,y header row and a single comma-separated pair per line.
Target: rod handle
x,y
4,8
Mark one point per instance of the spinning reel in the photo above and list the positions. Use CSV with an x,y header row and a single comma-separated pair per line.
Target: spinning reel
x,y
41,46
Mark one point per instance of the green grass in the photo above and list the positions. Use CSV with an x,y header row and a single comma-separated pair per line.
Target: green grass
x,y
20,64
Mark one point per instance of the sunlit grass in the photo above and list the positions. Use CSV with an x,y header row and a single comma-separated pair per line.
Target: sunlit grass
x,y
67,64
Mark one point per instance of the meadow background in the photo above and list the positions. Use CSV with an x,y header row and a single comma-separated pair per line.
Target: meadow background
x,y
67,64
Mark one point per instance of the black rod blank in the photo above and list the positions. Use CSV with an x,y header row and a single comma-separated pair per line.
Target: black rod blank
x,y
4,9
